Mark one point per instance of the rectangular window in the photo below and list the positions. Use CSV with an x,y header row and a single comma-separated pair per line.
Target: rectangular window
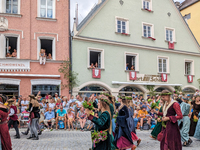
x,y
188,68
12,6
46,8
11,47
121,26
130,62
95,59
162,65
169,35
146,4
47,45
147,31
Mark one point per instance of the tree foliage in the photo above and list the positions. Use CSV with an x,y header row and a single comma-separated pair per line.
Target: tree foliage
x,y
69,75
151,90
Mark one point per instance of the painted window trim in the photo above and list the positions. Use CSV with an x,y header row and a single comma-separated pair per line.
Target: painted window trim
x,y
18,45
150,6
96,50
174,34
54,10
122,19
152,29
168,68
192,66
136,58
3,8
53,45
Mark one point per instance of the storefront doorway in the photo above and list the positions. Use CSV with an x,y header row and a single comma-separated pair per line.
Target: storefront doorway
x,y
46,89
128,91
9,90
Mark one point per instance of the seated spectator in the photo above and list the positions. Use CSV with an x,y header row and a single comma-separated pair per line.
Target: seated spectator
x,y
149,102
72,106
42,57
81,117
8,55
52,105
49,118
56,97
43,105
65,104
61,115
135,116
58,104
71,118
49,56
14,54
144,116
92,66
24,104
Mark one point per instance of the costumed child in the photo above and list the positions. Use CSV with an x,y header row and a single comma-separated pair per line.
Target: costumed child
x,y
130,121
4,131
123,138
34,117
13,118
101,136
184,124
171,138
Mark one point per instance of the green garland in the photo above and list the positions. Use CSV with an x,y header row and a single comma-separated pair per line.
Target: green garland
x,y
128,98
106,94
153,105
104,100
165,93
164,124
88,105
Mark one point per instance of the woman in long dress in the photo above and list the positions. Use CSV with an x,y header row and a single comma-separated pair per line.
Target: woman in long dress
x,y
4,131
171,139
102,123
123,137
194,116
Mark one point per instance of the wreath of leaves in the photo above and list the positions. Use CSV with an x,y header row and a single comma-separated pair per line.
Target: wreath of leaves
x,y
166,94
104,100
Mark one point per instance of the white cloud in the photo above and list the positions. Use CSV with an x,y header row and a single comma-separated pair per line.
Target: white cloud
x,y
84,7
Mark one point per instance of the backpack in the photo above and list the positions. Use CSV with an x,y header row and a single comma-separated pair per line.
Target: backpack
x,y
146,126
61,124
130,121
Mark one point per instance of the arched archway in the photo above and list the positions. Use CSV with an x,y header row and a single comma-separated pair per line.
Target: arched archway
x,y
189,90
159,89
128,90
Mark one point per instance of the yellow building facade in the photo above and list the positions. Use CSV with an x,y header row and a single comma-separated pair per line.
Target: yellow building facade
x,y
191,13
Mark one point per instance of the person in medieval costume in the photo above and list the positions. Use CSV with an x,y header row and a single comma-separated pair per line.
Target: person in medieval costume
x,y
4,131
171,138
184,124
158,128
13,118
194,116
123,137
103,124
131,121
34,117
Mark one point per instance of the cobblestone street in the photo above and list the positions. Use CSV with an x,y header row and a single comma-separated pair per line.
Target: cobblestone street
x,y
76,140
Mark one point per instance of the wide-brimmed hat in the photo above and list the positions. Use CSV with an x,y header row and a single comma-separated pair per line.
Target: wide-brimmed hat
x,y
3,98
165,92
32,96
10,100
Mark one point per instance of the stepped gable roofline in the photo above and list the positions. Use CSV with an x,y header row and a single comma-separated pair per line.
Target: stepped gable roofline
x,y
187,3
90,14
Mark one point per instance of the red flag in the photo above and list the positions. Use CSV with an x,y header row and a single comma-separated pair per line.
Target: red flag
x,y
171,45
164,77
96,73
190,78
132,75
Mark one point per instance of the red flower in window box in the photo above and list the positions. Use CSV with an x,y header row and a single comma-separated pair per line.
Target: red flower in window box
x,y
152,38
147,9
125,33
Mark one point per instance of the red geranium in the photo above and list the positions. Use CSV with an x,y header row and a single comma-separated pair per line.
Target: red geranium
x,y
89,104
100,131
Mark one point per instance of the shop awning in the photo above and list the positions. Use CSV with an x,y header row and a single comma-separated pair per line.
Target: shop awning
x,y
145,83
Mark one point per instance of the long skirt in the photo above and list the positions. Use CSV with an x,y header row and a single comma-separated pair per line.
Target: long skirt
x,y
197,131
123,143
5,137
157,129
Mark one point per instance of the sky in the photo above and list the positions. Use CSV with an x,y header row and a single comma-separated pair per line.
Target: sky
x,y
84,6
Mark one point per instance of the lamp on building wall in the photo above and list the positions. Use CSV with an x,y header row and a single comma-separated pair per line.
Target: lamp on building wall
x,y
169,14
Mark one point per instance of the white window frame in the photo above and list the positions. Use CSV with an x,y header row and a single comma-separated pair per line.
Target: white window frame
x,y
54,9
152,29
122,19
96,50
53,45
167,67
173,34
3,8
136,59
150,4
191,67
18,45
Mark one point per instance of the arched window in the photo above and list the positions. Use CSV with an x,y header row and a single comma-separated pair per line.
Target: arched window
x,y
92,89
128,90
189,90
160,89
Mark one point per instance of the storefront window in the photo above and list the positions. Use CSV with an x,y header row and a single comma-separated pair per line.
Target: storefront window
x,y
128,91
9,90
188,91
46,89
92,89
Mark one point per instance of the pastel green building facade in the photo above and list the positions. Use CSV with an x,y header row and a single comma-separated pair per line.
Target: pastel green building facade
x,y
99,32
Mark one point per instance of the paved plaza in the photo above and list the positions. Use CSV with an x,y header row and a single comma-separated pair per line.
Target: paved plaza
x,y
76,140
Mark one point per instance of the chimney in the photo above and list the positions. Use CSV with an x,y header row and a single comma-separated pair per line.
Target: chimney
x,y
178,4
